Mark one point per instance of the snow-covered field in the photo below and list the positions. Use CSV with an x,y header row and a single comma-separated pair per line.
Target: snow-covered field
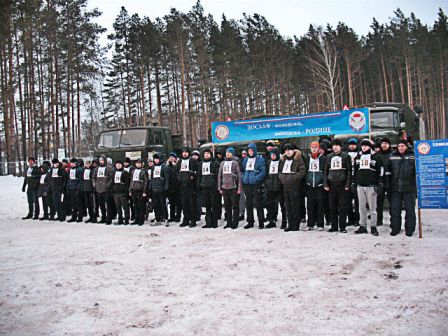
x,y
90,279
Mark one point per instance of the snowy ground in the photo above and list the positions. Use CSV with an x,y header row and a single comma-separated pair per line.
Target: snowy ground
x,y
90,279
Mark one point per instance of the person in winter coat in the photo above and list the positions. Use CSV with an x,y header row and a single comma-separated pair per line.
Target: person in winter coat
x,y
274,190
254,173
385,154
219,157
158,186
337,176
119,184
208,186
368,180
57,184
66,199
403,188
137,191
101,178
292,171
353,204
44,193
31,180
230,187
87,190
173,193
74,191
314,179
128,167
324,152
186,170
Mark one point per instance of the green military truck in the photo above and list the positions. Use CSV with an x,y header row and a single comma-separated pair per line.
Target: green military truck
x,y
136,142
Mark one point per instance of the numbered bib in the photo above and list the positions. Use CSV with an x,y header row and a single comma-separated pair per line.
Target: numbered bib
x,y
250,164
87,174
336,163
29,172
136,175
273,168
72,174
42,178
353,155
185,165
117,177
314,165
206,168
287,167
157,171
227,168
54,173
101,172
128,169
364,161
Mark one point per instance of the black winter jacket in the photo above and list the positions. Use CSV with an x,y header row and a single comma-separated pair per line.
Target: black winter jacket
x,y
272,181
338,169
208,174
159,178
186,170
58,179
139,181
87,179
368,170
44,182
32,178
119,182
74,179
402,168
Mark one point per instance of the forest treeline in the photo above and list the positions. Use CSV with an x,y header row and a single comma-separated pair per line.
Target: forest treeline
x,y
59,87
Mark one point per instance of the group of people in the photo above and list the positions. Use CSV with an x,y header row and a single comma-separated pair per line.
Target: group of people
x,y
340,187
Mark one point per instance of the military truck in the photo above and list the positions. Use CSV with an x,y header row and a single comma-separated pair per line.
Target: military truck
x,y
136,142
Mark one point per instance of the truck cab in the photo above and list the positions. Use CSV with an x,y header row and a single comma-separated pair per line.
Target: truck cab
x,y
134,142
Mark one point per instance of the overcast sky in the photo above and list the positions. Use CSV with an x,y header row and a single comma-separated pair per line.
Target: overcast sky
x,y
290,17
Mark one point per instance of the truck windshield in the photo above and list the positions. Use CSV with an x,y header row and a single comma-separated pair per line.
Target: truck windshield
x,y
384,119
136,137
110,139
124,138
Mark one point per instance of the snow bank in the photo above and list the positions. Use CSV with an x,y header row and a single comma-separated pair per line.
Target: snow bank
x,y
91,279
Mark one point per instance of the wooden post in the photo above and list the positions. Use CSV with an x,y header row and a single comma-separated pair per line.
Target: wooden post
x,y
420,231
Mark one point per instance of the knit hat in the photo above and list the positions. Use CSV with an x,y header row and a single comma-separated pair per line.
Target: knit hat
x,y
366,142
336,142
196,152
128,160
314,144
55,160
231,150
404,142
73,160
353,141
385,140
173,154
119,161
287,146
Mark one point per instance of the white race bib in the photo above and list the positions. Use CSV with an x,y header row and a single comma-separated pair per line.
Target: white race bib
x,y
128,169
353,155
42,178
250,164
29,172
54,172
157,171
117,177
227,168
287,167
273,168
136,176
206,168
314,165
364,161
336,163
101,172
185,165
86,174
72,174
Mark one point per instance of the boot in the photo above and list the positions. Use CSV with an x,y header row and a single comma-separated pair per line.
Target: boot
x,y
192,225
102,221
291,228
71,220
261,225
126,221
36,217
62,219
271,225
120,221
283,226
183,225
361,229
108,221
89,220
249,226
374,231
227,226
93,220
45,217
79,220
333,230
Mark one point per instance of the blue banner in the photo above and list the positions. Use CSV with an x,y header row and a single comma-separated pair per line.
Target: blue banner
x,y
431,161
355,121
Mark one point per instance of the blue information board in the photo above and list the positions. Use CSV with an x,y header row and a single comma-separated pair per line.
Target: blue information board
x,y
431,160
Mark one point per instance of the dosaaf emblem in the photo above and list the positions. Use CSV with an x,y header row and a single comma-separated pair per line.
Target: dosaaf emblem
x,y
357,120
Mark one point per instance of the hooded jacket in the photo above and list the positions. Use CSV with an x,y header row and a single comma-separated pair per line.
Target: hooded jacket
x,y
186,171
272,182
32,178
402,168
257,173
230,179
338,169
297,172
208,173
314,170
